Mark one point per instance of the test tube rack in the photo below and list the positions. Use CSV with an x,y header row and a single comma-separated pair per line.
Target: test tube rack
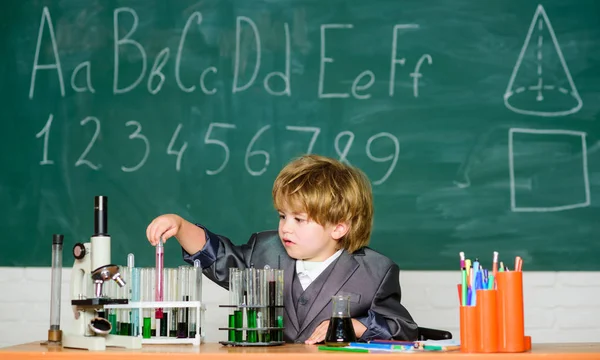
x,y
253,329
139,305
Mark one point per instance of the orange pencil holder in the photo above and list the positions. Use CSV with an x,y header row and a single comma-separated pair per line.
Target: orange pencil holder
x,y
495,323
511,324
487,311
479,324
469,329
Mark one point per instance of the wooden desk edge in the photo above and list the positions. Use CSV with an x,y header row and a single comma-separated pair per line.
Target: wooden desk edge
x,y
214,351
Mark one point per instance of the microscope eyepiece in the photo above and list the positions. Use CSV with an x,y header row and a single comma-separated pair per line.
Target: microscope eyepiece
x,y
100,215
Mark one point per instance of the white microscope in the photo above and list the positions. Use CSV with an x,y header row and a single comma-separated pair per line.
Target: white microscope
x,y
90,329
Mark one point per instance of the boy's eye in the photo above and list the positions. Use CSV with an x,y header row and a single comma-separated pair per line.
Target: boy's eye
x,y
300,219
281,216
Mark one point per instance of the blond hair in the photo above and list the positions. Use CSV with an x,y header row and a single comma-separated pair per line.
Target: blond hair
x,y
329,192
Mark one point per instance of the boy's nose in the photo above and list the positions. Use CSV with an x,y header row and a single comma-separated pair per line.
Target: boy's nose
x,y
286,227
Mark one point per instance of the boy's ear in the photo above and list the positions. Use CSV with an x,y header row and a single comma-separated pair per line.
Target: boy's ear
x,y
339,231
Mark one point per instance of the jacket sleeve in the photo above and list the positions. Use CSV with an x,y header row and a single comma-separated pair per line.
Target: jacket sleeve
x,y
388,318
219,255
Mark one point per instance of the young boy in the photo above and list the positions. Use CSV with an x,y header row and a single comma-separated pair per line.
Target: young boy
x,y
325,219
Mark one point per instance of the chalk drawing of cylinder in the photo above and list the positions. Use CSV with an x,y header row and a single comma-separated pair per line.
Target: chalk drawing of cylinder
x,y
541,84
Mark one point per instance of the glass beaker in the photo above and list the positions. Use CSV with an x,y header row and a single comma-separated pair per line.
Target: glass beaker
x,y
340,331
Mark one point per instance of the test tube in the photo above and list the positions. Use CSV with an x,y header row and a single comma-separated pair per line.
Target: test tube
x,y
129,293
135,297
236,317
271,301
152,283
54,333
195,295
279,303
160,255
251,302
164,322
147,296
198,269
174,296
110,290
123,314
183,316
262,301
130,266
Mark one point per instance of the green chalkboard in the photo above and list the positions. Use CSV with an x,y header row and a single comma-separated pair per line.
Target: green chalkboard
x,y
476,121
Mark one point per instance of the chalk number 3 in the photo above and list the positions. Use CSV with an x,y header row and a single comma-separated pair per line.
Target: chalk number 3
x,y
137,135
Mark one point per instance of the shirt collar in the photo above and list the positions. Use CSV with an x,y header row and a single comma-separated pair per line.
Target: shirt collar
x,y
314,272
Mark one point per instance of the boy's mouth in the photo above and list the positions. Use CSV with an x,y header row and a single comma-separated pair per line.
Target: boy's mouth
x,y
287,242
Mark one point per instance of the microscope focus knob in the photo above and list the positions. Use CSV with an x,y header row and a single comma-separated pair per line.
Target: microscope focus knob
x,y
79,251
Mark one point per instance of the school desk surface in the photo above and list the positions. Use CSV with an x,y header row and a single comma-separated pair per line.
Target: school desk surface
x,y
215,351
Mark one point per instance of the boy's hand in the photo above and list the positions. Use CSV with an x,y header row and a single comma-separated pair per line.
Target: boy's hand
x,y
166,226
321,331
319,334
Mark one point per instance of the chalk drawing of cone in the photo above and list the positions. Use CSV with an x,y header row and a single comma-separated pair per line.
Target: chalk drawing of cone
x,y
541,84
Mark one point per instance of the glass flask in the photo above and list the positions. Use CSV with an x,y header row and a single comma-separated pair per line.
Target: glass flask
x,y
340,331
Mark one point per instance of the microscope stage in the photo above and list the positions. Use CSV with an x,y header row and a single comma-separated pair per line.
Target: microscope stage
x,y
98,302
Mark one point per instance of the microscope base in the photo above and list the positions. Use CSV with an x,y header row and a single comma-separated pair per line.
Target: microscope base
x,y
100,342
128,342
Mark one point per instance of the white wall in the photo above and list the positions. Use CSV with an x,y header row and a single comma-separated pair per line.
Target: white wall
x,y
559,306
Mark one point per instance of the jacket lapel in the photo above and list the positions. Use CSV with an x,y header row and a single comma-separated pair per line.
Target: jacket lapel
x,y
343,269
290,309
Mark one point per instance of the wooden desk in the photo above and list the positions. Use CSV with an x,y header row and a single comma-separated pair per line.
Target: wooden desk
x,y
214,351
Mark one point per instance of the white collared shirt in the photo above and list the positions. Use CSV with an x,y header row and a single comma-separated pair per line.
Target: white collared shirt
x,y
308,271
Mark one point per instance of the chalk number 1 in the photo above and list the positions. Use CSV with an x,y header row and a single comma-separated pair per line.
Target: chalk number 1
x,y
45,132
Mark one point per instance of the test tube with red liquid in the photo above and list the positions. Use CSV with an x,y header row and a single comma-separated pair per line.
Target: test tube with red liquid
x,y
160,257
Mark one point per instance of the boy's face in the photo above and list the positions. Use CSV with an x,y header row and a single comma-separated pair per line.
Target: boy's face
x,y
305,239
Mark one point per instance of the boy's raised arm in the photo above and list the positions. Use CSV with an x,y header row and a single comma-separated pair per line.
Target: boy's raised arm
x,y
192,238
